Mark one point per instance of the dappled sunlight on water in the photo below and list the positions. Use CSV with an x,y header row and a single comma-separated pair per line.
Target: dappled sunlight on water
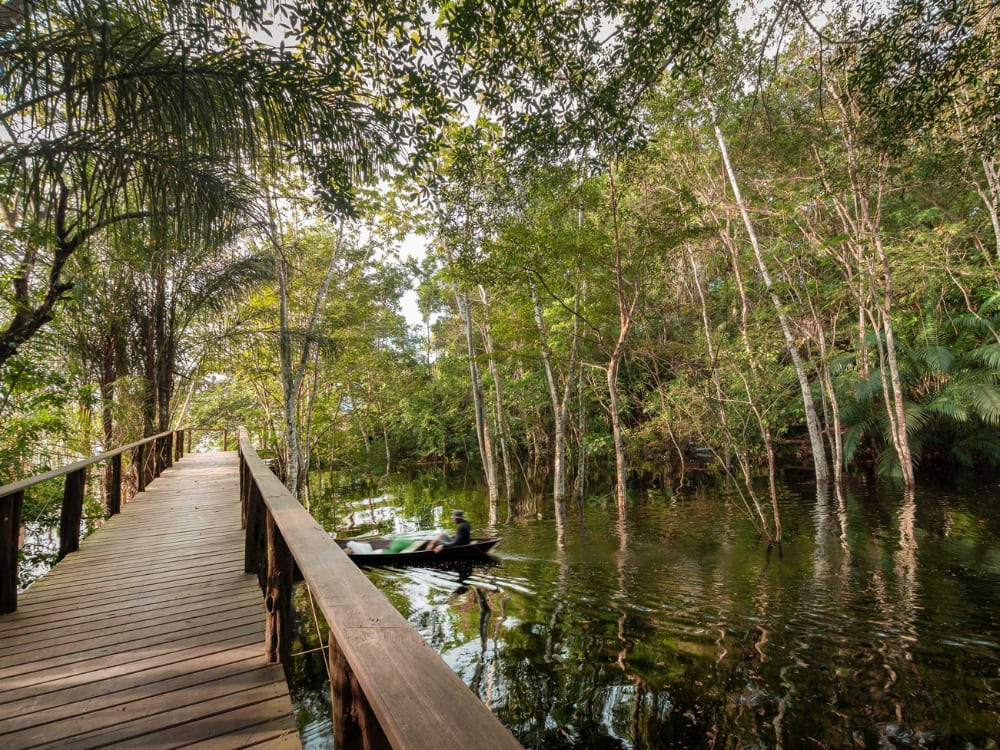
x,y
874,626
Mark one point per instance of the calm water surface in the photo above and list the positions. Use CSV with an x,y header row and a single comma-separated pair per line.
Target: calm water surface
x,y
875,627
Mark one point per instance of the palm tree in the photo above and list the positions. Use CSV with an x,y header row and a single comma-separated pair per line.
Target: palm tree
x,y
951,377
112,111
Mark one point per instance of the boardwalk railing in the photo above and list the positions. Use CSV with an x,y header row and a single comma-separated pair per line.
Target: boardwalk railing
x,y
389,689
151,455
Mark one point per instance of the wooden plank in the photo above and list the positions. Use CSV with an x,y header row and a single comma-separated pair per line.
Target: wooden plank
x,y
113,691
146,714
99,644
67,617
114,703
167,570
21,687
271,736
151,635
112,621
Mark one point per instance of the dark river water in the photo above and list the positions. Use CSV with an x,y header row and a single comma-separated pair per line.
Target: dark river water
x,y
876,626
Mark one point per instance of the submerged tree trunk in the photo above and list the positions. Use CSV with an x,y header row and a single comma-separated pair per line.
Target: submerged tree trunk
x,y
626,311
820,462
560,412
501,423
482,426
875,286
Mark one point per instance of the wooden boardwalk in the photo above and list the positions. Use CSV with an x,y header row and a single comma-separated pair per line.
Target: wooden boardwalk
x,y
151,635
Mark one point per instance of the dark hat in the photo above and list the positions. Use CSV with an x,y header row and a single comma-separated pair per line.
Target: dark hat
x,y
458,514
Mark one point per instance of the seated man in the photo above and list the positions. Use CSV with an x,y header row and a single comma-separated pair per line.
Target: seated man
x,y
463,534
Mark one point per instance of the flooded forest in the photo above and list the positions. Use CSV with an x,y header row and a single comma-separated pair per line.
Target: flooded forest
x,y
697,307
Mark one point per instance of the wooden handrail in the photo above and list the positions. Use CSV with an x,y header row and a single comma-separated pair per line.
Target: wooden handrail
x,y
389,688
9,489
166,447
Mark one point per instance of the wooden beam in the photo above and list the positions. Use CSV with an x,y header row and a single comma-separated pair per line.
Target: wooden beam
x,y
139,459
72,512
10,537
278,599
115,486
354,723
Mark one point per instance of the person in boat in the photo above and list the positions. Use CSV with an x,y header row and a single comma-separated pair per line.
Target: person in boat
x,y
463,534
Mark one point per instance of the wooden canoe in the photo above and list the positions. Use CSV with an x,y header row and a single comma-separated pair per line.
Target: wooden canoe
x,y
380,557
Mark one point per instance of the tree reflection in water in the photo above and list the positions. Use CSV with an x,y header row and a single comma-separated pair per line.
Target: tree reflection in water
x,y
876,626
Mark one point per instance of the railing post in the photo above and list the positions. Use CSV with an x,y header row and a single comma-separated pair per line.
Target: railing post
x,y
10,543
278,598
190,433
115,486
168,450
139,459
178,445
72,512
354,723
225,440
245,481
253,551
157,457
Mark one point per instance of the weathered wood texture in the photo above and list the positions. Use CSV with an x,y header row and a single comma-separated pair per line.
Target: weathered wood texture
x,y
389,689
151,635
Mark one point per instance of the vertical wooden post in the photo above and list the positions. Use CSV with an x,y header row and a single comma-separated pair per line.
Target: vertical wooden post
x,y
115,487
157,457
151,459
245,480
72,512
168,450
10,534
139,459
354,723
278,598
255,531
190,433
178,445
225,440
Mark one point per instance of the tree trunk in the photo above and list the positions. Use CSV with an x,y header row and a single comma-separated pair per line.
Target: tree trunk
x,y
482,426
864,229
293,373
108,377
558,415
820,463
626,309
501,422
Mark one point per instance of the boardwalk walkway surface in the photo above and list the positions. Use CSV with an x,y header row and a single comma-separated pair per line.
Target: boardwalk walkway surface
x,y
151,635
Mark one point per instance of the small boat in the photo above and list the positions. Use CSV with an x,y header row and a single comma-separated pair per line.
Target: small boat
x,y
376,552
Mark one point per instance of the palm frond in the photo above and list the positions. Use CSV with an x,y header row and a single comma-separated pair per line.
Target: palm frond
x,y
984,399
937,358
944,406
988,354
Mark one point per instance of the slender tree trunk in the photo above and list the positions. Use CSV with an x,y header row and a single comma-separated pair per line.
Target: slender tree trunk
x,y
482,426
709,342
626,309
109,375
559,417
293,369
501,423
182,413
990,194
149,376
876,268
580,484
820,463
